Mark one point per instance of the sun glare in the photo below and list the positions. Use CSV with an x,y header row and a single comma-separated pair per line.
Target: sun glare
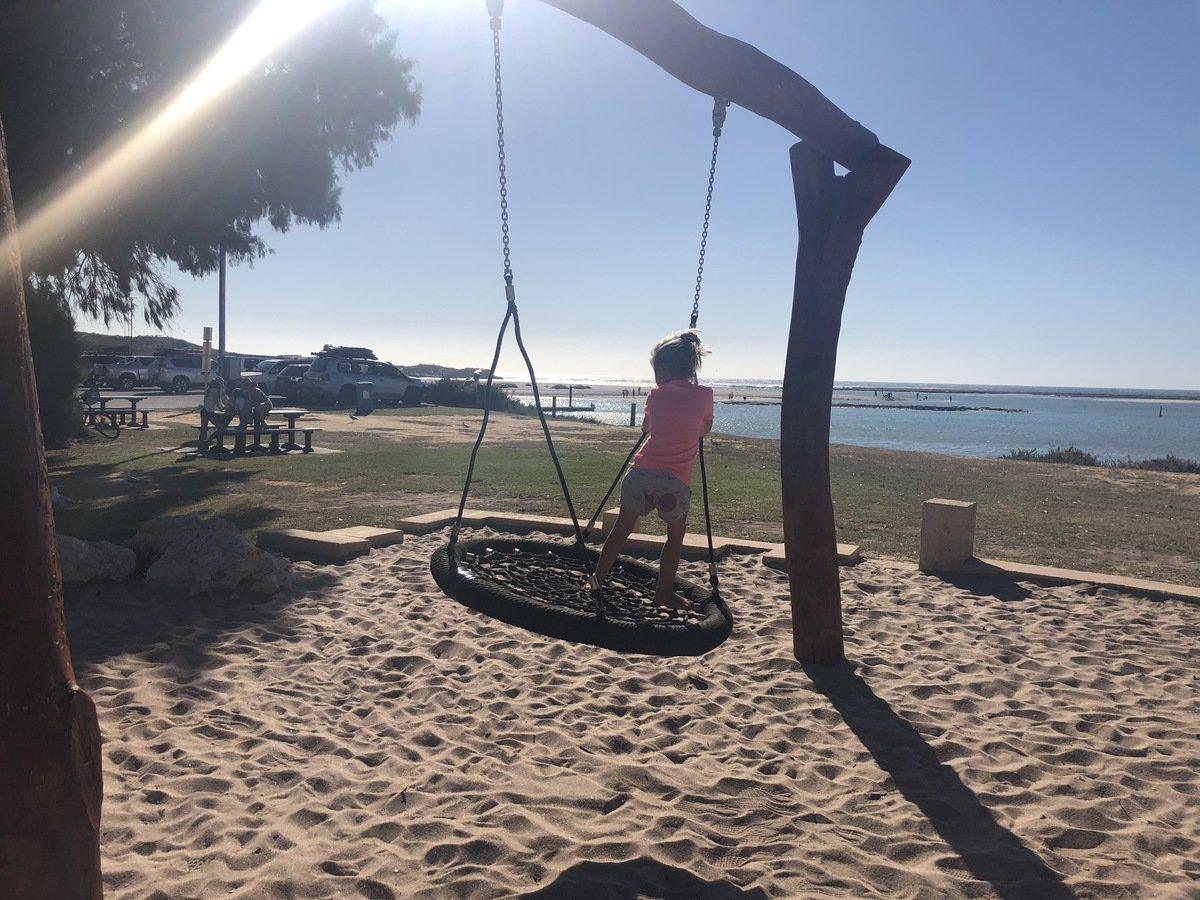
x,y
124,162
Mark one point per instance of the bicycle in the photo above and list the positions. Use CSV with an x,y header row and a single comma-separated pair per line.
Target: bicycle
x,y
102,421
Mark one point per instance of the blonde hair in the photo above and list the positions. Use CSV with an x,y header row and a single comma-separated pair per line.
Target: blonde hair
x,y
677,357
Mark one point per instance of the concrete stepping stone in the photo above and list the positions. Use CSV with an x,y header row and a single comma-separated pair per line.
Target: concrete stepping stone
x,y
324,545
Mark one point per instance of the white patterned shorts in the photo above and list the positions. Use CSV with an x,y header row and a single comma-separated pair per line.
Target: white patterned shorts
x,y
647,490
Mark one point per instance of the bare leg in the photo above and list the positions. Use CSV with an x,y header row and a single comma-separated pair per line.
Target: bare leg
x,y
626,521
668,565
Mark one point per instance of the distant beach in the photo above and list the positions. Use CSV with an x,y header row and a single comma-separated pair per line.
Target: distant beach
x,y
952,419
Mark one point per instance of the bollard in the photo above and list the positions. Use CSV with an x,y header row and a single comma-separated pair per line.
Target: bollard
x,y
633,414
947,534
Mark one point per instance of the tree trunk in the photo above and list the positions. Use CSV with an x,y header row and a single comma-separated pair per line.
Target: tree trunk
x,y
832,213
50,781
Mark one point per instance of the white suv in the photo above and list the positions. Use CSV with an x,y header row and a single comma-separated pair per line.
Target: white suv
x,y
266,371
331,379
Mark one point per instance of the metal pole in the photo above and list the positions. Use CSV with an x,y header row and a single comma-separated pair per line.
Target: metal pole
x,y
221,318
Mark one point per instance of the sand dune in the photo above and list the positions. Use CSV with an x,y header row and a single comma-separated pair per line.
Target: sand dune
x,y
362,735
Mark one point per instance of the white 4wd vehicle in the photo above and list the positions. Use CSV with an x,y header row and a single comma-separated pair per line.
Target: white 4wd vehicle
x,y
266,371
332,376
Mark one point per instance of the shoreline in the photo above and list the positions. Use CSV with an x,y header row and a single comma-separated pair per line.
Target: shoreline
x,y
613,389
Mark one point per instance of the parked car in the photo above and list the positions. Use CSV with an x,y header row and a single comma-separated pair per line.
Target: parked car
x,y
130,372
290,382
267,370
177,374
336,370
96,365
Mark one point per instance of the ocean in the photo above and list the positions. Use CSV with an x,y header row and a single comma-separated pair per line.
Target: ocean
x,y
1113,423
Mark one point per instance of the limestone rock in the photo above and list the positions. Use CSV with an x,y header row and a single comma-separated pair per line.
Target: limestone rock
x,y
202,555
84,561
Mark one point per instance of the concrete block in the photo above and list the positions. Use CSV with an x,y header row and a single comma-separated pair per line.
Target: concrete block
x,y
376,537
847,555
522,523
442,518
695,546
609,518
313,544
947,534
426,522
744,545
1051,575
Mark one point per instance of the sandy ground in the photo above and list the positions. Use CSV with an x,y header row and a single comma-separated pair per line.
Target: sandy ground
x,y
362,735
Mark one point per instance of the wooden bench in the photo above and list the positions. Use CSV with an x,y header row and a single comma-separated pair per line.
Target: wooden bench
x,y
126,417
239,439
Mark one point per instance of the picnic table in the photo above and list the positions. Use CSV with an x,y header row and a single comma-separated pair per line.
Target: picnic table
x,y
126,417
274,432
292,416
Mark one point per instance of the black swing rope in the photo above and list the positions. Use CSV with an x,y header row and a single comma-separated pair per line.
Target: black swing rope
x,y
720,105
495,7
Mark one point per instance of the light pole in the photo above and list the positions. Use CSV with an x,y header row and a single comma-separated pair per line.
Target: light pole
x,y
221,319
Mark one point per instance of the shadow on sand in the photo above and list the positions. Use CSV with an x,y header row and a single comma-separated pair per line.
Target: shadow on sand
x,y
639,878
1002,588
107,620
988,850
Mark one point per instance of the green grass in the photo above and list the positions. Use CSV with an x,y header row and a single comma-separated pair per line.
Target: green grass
x,y
1113,520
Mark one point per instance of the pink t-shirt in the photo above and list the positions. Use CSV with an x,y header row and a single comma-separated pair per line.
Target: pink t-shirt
x,y
678,413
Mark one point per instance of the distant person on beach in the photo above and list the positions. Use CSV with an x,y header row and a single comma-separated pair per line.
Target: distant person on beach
x,y
678,413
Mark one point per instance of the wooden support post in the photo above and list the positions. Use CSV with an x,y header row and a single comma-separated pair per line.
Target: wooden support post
x,y
50,779
832,212
633,414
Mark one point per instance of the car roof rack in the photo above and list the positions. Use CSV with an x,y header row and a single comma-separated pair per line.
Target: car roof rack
x,y
346,352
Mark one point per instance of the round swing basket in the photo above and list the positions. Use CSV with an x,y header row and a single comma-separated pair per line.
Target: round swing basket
x,y
543,586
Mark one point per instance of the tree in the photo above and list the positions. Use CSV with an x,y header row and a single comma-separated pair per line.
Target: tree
x,y
76,74
56,368
50,772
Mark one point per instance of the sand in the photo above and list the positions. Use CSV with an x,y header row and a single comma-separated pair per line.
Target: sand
x,y
361,735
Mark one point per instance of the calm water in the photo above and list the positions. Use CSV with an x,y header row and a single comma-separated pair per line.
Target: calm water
x,y
1114,427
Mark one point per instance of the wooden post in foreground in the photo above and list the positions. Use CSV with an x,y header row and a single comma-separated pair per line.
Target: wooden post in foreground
x,y
832,212
50,787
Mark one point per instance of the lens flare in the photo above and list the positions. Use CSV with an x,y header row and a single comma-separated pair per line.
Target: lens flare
x,y
123,162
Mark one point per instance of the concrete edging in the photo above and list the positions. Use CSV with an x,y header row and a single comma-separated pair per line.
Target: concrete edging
x,y
1050,575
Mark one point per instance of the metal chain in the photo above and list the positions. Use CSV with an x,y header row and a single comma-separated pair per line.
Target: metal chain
x,y
508,272
720,105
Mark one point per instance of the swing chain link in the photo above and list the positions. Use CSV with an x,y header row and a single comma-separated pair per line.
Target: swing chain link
x,y
720,106
495,8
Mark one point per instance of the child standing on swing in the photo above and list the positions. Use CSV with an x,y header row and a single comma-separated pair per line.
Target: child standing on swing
x,y
678,413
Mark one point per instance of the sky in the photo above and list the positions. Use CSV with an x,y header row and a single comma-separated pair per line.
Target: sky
x,y
1047,232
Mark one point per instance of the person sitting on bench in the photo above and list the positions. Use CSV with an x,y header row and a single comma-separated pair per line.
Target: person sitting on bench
x,y
259,405
214,411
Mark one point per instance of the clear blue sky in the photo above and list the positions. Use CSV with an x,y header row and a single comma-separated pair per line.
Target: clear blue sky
x,y
1046,233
